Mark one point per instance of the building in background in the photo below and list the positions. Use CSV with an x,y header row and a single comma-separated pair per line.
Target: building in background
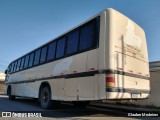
x,y
2,80
154,98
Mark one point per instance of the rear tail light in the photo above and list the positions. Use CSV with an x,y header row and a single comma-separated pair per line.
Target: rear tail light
x,y
110,80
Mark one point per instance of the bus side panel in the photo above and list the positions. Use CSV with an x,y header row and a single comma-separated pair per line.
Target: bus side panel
x,y
60,89
54,88
92,60
76,64
102,86
30,89
92,65
103,53
81,88
103,41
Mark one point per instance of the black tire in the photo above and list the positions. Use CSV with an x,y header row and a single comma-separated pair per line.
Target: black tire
x,y
10,96
45,98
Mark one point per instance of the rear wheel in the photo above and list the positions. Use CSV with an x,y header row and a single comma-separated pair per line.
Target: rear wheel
x,y
11,97
45,98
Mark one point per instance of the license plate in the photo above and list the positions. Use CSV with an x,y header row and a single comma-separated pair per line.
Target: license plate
x,y
134,95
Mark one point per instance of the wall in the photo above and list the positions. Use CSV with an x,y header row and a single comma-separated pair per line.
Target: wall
x,y
2,86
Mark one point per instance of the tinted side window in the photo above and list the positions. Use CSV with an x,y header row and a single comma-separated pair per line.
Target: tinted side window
x,y
22,63
31,59
97,30
26,61
15,65
72,42
36,57
43,55
60,48
87,37
9,68
51,51
12,68
18,65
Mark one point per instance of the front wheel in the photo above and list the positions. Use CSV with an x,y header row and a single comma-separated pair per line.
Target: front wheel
x,y
45,98
11,97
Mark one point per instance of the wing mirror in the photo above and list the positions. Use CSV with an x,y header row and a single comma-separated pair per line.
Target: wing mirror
x,y
6,71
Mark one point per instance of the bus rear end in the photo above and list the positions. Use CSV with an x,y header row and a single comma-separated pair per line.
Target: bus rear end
x,y
129,76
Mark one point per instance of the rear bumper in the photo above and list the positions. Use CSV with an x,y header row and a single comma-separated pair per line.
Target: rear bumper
x,y
127,90
122,93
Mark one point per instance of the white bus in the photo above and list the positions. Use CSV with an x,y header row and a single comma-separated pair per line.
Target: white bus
x,y
103,58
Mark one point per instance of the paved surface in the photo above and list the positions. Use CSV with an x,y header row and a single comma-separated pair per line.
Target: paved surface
x,y
64,111
125,107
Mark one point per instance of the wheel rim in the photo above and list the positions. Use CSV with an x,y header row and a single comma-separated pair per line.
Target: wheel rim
x,y
45,97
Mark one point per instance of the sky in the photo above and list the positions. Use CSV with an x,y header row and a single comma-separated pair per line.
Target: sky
x,y
27,24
